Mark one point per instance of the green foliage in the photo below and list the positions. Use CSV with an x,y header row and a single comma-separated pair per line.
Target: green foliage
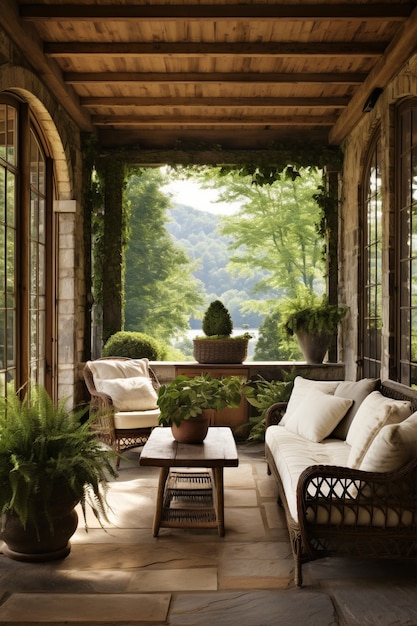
x,y
262,394
275,232
217,320
273,344
133,345
186,397
161,292
43,446
311,313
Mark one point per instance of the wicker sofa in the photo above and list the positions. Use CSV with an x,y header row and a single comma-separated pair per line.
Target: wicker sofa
x,y
353,490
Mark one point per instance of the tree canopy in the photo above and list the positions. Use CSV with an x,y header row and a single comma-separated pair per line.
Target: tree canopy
x,y
161,292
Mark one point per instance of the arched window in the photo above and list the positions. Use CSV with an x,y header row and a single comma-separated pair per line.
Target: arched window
x,y
26,266
371,267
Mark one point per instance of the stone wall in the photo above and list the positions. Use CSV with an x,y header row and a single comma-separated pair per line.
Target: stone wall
x,y
62,139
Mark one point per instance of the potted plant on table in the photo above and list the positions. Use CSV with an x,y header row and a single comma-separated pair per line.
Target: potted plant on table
x,y
49,462
314,322
218,345
187,403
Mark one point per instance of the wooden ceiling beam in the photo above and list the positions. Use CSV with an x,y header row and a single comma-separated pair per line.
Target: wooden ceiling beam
x,y
106,78
238,103
400,49
164,12
31,46
204,121
187,49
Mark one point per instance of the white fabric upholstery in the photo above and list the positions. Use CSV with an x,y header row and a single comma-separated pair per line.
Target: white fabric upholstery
x,y
136,419
293,454
393,447
114,368
129,394
301,387
375,412
356,391
317,415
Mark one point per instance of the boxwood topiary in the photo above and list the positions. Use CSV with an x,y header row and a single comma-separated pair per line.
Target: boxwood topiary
x,y
134,345
217,320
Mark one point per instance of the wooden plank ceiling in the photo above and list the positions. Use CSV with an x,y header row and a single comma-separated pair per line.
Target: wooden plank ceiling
x,y
242,75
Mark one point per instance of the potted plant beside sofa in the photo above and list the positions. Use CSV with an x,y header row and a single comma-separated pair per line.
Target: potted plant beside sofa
x,y
187,403
314,322
49,462
218,345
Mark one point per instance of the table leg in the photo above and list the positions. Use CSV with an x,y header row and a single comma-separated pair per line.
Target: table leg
x,y
219,495
163,475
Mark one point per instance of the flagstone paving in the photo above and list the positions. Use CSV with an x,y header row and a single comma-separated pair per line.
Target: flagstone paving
x,y
193,577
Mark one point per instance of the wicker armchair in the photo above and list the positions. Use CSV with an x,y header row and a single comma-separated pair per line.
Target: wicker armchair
x,y
108,418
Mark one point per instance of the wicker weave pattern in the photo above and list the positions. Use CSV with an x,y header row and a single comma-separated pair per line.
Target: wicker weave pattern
x,y
101,406
364,514
220,350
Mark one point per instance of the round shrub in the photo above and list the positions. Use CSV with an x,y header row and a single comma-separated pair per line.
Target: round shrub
x,y
133,345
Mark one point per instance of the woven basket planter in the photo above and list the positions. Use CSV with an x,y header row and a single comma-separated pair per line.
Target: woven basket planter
x,y
220,350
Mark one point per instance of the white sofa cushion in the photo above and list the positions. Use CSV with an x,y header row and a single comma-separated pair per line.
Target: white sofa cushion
x,y
129,394
375,412
115,368
393,447
136,419
317,415
301,386
356,391
293,454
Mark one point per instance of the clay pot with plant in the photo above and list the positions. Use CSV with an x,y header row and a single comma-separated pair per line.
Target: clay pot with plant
x,y
314,321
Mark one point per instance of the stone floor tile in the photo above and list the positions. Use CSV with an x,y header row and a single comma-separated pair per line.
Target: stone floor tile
x,y
241,476
244,522
260,565
274,516
376,604
259,608
267,487
192,579
240,497
98,608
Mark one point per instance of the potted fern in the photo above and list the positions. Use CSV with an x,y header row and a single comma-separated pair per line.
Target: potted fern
x,y
218,345
50,460
314,322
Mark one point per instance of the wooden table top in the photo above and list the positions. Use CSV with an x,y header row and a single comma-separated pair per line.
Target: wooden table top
x,y
217,450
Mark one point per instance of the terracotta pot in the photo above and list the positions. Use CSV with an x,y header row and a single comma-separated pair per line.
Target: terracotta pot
x,y
314,347
193,430
41,544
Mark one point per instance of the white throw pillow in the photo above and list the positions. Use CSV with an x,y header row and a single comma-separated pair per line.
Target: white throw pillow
x,y
303,386
375,412
393,447
114,368
317,415
129,394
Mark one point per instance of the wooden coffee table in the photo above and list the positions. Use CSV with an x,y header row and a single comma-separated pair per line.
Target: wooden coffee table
x,y
190,498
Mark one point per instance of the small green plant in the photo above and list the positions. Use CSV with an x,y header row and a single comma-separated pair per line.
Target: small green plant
x,y
44,447
134,345
187,397
311,313
217,320
262,394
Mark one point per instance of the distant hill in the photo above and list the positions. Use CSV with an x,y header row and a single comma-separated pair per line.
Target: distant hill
x,y
197,232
